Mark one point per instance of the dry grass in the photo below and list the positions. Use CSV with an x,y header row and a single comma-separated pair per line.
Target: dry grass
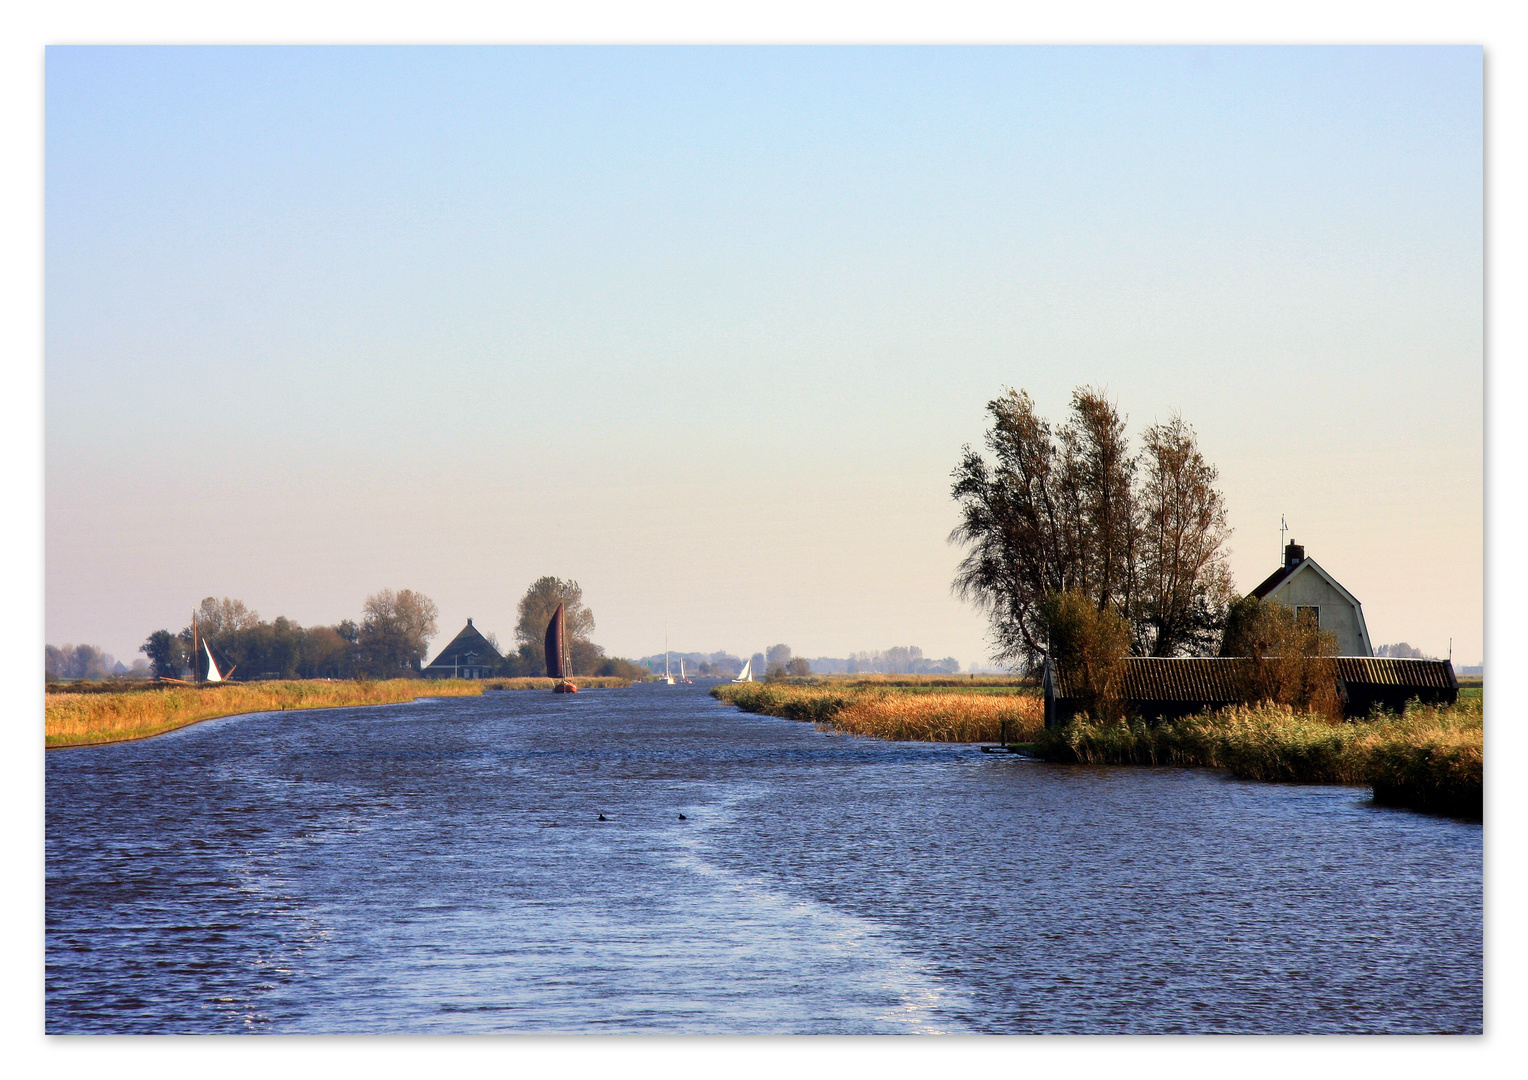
x,y
94,718
893,713
1431,758
583,682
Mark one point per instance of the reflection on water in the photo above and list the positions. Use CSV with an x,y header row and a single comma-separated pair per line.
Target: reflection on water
x,y
439,867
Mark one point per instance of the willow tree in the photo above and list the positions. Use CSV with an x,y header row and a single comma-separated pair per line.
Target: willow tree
x,y
535,611
1072,510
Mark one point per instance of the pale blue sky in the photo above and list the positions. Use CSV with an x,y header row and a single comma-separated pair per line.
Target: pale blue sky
x,y
706,328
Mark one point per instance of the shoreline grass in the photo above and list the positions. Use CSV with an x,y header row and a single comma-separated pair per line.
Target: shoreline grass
x,y
1430,758
94,719
893,713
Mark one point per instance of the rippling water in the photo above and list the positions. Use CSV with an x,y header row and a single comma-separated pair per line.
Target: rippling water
x,y
440,867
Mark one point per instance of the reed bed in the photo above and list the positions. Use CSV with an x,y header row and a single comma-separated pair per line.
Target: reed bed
x,y
583,682
90,719
1429,758
893,714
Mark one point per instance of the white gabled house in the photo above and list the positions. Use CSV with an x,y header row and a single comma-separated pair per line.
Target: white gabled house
x,y
1301,584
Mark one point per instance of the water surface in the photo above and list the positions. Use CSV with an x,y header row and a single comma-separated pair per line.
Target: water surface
x,y
440,867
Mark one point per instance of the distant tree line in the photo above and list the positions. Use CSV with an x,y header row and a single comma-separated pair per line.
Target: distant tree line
x,y
390,640
87,662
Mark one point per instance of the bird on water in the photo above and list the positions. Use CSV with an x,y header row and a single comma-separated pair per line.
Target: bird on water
x,y
604,818
683,818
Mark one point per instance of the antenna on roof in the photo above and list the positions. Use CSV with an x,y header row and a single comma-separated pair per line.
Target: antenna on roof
x,y
1450,650
1283,528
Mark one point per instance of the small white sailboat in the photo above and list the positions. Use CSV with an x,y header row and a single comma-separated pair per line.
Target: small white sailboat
x,y
746,675
667,678
213,674
682,676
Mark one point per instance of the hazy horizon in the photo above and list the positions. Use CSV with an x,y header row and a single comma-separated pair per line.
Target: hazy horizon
x,y
706,328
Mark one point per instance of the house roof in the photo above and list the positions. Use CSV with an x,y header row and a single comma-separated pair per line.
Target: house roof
x,y
468,641
1282,575
1396,671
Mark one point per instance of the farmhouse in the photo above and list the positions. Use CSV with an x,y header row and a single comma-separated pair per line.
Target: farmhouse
x,y
469,656
1154,688
1301,584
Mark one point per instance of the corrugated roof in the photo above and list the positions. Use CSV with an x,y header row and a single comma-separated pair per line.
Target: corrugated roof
x,y
1395,671
1212,679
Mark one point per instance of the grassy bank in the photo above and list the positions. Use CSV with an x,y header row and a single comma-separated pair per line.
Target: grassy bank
x,y
85,719
950,715
583,682
1431,758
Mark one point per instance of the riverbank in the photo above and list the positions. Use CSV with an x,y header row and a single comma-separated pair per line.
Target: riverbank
x,y
916,713
1432,758
90,719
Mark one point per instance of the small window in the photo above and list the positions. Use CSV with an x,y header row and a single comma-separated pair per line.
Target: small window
x,y
1312,613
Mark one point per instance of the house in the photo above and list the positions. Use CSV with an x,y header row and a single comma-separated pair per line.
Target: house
x,y
468,656
1302,584
1157,688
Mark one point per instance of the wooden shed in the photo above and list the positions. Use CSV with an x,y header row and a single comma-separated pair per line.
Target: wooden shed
x,y
1155,688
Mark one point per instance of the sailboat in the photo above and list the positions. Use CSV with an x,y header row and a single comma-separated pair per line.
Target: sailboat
x,y
746,675
559,663
682,677
667,678
213,674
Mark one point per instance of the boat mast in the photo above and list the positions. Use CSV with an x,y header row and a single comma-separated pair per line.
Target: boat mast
x,y
196,651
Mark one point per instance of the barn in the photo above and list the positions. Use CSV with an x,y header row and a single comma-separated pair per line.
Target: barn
x,y
1302,584
469,656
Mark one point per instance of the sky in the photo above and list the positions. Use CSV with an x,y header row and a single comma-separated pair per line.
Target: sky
x,y
706,328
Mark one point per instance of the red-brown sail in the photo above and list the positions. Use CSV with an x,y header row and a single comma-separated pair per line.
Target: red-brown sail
x,y
554,646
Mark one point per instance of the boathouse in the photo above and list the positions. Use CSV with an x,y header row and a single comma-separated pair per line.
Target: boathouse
x,y
469,656
1302,584
1156,688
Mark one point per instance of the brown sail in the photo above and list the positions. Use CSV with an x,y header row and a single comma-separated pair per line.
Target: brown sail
x,y
554,646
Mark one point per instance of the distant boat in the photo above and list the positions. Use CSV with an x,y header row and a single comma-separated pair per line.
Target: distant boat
x,y
746,675
213,674
682,677
558,663
667,678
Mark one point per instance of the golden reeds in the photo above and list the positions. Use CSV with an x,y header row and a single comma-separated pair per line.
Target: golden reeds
x,y
89,719
1429,758
894,714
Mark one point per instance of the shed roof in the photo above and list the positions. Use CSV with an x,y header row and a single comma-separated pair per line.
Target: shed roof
x,y
1213,679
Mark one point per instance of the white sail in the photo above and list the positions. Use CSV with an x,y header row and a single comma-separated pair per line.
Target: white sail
x,y
746,675
212,665
681,669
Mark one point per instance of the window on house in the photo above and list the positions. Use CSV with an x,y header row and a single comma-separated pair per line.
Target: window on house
x,y
1312,613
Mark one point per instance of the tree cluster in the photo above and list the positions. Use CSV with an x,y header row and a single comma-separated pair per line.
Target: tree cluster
x,y
390,641
1072,510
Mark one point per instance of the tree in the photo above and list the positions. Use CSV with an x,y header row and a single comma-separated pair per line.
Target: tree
x,y
166,654
1060,511
535,610
396,629
1289,658
798,665
1185,581
1088,647
776,657
217,619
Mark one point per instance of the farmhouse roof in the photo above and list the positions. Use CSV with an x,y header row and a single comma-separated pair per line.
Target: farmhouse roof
x,y
468,641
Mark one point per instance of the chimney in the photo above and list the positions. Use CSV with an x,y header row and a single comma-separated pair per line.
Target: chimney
x,y
469,620
1293,553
